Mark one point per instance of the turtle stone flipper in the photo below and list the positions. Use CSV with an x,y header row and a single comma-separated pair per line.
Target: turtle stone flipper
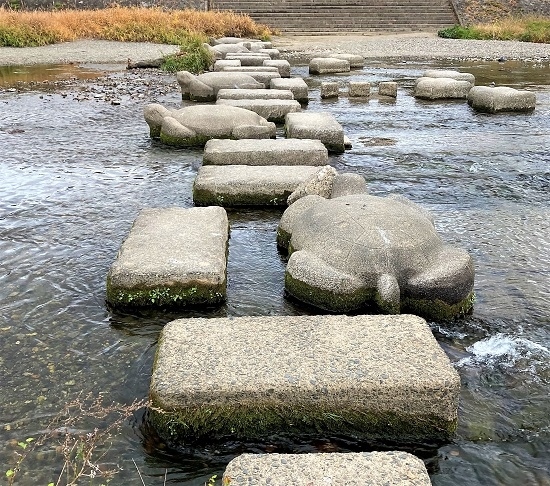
x,y
388,294
312,280
174,133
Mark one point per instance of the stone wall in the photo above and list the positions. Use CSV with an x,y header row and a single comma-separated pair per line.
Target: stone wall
x,y
472,11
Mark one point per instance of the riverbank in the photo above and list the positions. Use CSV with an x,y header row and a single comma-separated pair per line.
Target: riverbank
x,y
409,46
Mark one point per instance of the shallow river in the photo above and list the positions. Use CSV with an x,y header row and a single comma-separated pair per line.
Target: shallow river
x,y
73,176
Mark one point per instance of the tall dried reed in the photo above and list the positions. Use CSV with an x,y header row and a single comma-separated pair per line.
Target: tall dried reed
x,y
34,28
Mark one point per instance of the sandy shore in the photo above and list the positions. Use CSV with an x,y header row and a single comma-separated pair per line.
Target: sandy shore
x,y
405,46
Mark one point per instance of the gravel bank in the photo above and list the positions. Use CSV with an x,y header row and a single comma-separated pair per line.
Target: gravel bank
x,y
402,46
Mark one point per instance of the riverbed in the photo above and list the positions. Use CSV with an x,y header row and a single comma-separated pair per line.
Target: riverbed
x,y
78,165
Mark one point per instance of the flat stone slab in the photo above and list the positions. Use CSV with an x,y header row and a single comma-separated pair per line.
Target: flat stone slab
x,y
297,85
317,126
449,73
282,65
498,99
290,151
255,94
249,69
272,110
243,185
221,64
353,468
249,59
355,60
262,76
328,65
441,88
173,257
364,376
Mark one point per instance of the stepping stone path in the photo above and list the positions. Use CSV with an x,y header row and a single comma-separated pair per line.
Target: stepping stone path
x,y
370,377
450,74
249,59
282,65
255,94
387,88
498,99
271,110
172,257
297,85
244,185
355,60
328,65
283,152
318,126
360,468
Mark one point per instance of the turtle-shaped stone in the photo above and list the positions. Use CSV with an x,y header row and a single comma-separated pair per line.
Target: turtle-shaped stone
x,y
356,250
205,87
195,125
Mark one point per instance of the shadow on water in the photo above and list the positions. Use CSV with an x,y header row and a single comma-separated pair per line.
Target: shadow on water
x,y
73,181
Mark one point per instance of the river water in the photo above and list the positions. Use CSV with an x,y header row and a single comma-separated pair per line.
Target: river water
x,y
74,174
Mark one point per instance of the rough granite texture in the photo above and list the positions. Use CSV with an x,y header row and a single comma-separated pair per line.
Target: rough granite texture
x,y
329,89
248,377
249,59
358,250
272,110
359,89
255,94
320,184
173,257
392,468
205,87
498,99
447,73
317,126
355,60
441,88
387,88
297,85
195,125
242,185
281,64
283,151
328,65
264,75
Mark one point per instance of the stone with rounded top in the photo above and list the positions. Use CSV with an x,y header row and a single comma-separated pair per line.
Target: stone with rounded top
x,y
205,87
441,88
389,468
450,74
274,110
320,184
328,65
354,251
195,125
283,151
355,60
318,126
362,376
173,257
220,51
498,99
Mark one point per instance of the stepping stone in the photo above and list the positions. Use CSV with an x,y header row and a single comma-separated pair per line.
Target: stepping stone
x,y
289,151
250,69
263,77
221,64
328,65
249,59
329,90
255,46
355,60
243,185
232,40
366,468
297,85
447,73
359,89
272,53
371,377
220,51
497,99
205,87
173,257
272,110
255,94
282,65
387,88
441,88
316,126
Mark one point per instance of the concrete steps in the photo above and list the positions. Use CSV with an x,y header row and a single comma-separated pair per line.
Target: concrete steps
x,y
325,17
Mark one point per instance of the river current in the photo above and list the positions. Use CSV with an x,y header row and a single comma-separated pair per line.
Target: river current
x,y
74,175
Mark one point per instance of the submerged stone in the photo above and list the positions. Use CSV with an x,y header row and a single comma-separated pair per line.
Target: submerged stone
x,y
394,468
195,125
173,257
243,185
353,251
497,99
283,152
360,376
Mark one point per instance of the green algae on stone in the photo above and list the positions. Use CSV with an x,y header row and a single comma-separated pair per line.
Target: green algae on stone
x,y
437,309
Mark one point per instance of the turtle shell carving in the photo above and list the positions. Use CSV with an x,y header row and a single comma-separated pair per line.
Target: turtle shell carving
x,y
358,250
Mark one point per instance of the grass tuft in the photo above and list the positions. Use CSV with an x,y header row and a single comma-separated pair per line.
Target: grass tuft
x,y
526,29
193,57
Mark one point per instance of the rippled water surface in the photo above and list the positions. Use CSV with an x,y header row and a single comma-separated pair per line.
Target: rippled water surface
x,y
73,176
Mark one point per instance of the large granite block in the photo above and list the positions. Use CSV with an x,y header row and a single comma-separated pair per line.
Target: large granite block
x,y
317,126
272,110
173,257
328,65
255,94
297,85
497,99
289,151
373,377
441,88
243,185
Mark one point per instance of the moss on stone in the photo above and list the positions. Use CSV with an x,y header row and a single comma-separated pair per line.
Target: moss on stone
x,y
206,197
165,296
283,238
258,420
436,309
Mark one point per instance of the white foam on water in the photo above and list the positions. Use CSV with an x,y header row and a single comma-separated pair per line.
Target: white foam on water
x,y
505,351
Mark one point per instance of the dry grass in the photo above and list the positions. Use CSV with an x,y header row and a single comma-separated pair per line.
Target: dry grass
x,y
33,28
527,29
